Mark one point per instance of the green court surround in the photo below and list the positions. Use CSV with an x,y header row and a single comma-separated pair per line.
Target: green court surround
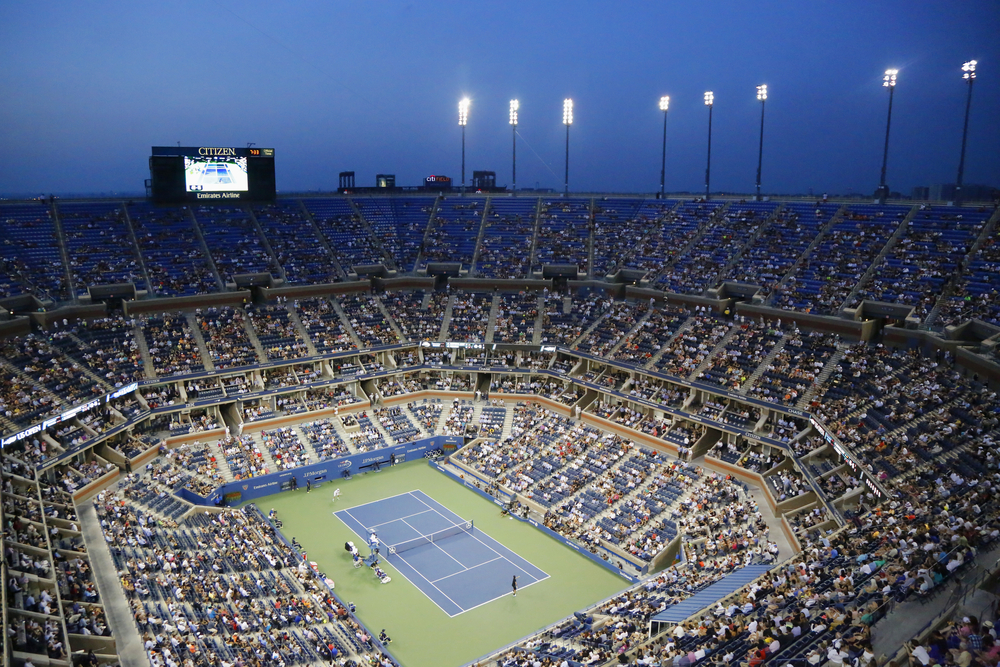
x,y
424,636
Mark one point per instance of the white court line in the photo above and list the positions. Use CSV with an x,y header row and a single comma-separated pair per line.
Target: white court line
x,y
464,566
443,516
520,588
376,525
473,536
466,570
400,572
348,513
376,502
431,583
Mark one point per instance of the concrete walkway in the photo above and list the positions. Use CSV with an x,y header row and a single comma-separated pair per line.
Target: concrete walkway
x,y
776,533
908,618
116,607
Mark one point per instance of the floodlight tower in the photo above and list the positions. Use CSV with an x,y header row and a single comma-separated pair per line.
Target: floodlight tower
x,y
888,81
969,75
463,119
514,106
664,105
709,102
762,96
567,121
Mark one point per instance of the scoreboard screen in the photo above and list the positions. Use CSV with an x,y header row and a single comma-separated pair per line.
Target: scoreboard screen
x,y
210,173
215,174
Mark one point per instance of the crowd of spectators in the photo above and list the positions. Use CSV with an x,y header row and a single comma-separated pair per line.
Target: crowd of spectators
x,y
107,345
828,274
507,237
773,253
470,314
172,348
174,258
699,267
299,249
285,447
685,352
744,351
417,321
563,236
234,242
324,326
225,587
277,332
896,411
98,245
561,328
367,320
516,317
323,437
224,331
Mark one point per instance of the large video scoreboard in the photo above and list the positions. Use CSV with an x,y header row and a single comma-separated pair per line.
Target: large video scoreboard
x,y
209,173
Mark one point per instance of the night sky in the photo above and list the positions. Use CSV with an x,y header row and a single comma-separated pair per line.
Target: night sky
x,y
89,87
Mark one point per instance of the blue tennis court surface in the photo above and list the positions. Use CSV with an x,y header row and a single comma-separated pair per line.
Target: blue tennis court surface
x,y
458,572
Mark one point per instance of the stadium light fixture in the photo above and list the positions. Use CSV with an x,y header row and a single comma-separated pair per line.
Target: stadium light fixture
x,y
664,106
709,102
567,121
463,119
762,97
969,75
888,81
514,106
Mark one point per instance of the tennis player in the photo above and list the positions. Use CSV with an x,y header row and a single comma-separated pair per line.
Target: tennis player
x,y
513,584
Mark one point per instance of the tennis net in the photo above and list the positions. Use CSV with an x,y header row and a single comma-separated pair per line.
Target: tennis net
x,y
436,536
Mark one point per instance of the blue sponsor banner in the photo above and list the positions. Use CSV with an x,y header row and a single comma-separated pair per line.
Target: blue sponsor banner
x,y
318,473
551,533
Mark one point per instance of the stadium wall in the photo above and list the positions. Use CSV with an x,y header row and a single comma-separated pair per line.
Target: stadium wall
x,y
179,303
19,326
318,473
853,329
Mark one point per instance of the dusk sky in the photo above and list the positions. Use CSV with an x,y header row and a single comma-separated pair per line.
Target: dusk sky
x,y
89,87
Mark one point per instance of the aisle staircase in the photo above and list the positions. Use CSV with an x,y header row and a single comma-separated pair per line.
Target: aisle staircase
x,y
147,361
824,375
664,346
199,339
491,321
764,364
631,332
876,263
293,317
446,320
719,348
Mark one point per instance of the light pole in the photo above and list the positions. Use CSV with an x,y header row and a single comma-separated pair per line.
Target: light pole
x,y
762,96
969,74
514,105
888,81
567,121
709,102
463,119
664,105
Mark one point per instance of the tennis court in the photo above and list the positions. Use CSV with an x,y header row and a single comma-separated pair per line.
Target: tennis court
x,y
423,636
455,564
